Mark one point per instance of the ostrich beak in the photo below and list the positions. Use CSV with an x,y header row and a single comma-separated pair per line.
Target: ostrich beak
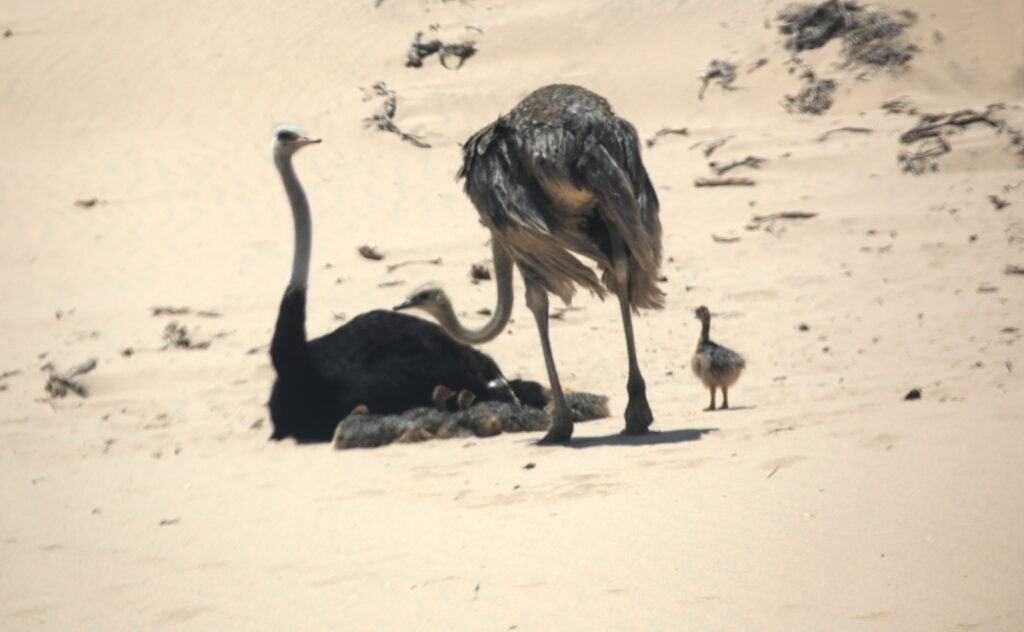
x,y
304,140
404,305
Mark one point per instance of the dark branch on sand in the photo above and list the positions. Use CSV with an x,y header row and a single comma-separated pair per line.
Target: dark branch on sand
x,y
757,219
394,266
384,121
58,384
722,182
710,147
854,130
935,128
717,69
682,131
419,50
722,167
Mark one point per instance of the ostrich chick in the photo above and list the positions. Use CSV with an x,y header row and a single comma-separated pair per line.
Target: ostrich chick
x,y
715,365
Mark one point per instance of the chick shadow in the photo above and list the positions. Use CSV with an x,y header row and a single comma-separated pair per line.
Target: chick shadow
x,y
653,437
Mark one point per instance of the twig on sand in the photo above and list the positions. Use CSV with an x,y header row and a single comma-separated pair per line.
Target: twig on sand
x,y
171,310
710,147
384,121
772,473
723,182
58,384
914,163
419,50
682,131
757,219
935,128
88,202
854,130
770,222
394,266
1012,269
722,167
724,240
998,202
899,106
717,69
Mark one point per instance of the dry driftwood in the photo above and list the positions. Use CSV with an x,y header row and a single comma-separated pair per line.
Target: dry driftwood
x,y
723,182
853,130
757,219
899,106
394,266
385,120
58,384
419,50
933,131
722,167
171,310
682,131
717,69
710,147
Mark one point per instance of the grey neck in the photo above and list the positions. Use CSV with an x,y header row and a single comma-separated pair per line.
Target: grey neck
x,y
705,329
303,222
502,311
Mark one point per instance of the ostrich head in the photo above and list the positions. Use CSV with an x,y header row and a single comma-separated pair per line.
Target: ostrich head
x,y
702,313
430,298
290,138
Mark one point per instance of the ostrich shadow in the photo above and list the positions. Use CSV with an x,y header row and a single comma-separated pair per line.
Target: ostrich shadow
x,y
682,435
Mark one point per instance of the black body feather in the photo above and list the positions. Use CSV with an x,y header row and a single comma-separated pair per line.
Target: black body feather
x,y
388,361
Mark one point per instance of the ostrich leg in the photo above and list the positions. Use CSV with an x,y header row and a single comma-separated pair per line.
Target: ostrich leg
x,y
638,412
561,424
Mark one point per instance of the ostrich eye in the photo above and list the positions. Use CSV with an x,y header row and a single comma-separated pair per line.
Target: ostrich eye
x,y
287,136
423,296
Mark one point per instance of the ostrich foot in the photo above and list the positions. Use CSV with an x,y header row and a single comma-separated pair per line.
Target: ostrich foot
x,y
561,428
638,416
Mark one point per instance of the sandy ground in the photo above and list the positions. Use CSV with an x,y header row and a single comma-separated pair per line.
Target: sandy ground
x,y
822,501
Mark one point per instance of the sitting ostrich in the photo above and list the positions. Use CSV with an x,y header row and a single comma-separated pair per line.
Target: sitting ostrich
x,y
386,361
561,174
715,365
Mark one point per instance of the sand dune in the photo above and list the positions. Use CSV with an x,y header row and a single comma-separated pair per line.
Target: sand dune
x,y
824,500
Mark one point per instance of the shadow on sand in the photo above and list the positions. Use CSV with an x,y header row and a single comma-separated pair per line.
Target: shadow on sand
x,y
651,438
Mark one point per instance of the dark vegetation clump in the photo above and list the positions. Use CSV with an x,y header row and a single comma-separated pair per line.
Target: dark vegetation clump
x,y
870,37
815,98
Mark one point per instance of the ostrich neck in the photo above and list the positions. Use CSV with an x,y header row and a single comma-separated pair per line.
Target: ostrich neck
x,y
705,330
502,311
303,223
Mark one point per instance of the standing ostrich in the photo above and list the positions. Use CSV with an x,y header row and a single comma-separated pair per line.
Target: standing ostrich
x,y
385,361
562,174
